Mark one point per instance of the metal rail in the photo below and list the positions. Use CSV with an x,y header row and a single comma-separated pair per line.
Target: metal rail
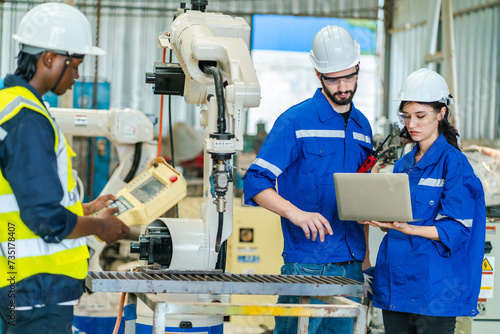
x,y
329,289
285,285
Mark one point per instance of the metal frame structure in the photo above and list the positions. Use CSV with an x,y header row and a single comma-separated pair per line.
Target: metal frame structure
x,y
330,290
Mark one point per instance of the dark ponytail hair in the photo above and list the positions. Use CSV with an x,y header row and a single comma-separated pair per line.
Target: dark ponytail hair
x,y
449,132
26,65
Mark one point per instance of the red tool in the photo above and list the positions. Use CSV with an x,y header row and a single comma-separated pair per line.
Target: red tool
x,y
372,159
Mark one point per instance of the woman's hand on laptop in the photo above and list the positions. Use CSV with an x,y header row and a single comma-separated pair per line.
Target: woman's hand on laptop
x,y
385,226
429,232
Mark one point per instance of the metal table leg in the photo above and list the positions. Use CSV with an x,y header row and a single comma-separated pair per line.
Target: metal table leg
x,y
339,307
303,325
160,311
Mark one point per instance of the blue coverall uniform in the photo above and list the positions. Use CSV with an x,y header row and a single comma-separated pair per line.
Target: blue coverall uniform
x,y
414,274
308,144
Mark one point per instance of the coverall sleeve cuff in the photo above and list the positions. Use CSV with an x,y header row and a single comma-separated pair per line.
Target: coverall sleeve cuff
x,y
253,185
452,235
71,220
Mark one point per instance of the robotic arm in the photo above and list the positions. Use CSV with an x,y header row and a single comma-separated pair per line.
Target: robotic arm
x,y
130,131
213,55
215,71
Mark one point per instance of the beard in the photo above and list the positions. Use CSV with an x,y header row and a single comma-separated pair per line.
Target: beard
x,y
335,96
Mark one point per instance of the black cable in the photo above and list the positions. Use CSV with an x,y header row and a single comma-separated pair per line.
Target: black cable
x,y
135,163
219,93
219,232
222,257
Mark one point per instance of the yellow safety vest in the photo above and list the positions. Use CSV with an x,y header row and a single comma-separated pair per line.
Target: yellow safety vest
x,y
23,253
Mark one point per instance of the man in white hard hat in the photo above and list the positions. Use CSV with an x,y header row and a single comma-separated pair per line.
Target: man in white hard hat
x,y
293,174
43,224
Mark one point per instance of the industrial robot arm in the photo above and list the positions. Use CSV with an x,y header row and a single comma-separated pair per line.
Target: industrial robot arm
x,y
215,71
130,131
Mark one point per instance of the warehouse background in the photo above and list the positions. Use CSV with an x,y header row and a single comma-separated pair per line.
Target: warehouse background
x,y
128,31
398,37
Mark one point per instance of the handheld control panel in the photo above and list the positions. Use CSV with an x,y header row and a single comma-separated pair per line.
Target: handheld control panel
x,y
150,194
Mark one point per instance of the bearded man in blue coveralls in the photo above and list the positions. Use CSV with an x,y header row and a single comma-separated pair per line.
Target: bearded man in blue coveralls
x,y
308,143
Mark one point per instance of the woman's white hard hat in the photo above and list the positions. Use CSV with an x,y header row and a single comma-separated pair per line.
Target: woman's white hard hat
x,y
425,85
334,50
56,27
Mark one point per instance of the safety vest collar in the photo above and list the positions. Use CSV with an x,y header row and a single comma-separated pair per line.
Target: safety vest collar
x,y
13,97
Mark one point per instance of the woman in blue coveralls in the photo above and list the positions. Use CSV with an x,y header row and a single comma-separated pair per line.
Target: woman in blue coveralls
x,y
429,272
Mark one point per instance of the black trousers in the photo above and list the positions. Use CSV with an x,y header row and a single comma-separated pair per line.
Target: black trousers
x,y
52,319
411,323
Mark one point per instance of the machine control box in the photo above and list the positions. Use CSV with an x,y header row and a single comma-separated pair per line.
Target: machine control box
x,y
150,194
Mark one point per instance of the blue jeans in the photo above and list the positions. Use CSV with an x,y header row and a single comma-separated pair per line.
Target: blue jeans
x,y
287,325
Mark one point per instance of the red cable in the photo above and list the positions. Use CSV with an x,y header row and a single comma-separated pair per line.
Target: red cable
x,y
120,311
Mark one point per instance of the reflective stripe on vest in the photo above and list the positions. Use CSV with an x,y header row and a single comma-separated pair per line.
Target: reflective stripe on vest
x,y
35,247
8,203
25,254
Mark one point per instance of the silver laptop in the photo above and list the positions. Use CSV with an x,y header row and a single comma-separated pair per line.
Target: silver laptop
x,y
382,197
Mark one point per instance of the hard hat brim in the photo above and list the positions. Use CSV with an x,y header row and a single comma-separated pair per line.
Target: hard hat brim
x,y
97,51
94,51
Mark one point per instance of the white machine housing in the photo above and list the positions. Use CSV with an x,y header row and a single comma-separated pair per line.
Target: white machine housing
x,y
212,37
123,127
198,36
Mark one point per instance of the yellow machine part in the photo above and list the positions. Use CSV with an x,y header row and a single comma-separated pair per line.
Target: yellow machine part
x,y
254,248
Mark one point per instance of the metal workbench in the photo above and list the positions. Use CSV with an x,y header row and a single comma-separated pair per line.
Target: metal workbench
x,y
330,290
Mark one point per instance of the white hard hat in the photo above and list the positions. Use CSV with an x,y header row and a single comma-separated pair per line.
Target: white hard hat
x,y
334,50
425,85
56,27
